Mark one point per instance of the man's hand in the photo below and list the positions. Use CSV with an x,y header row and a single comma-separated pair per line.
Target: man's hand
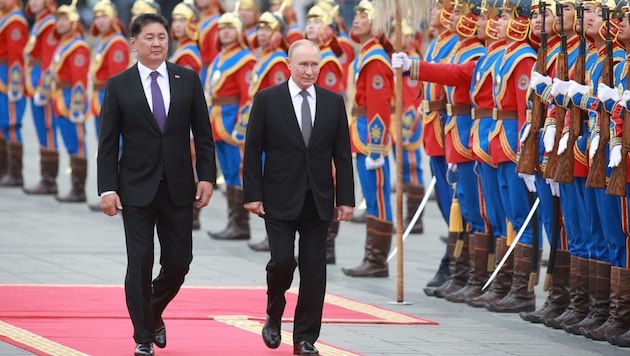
x,y
255,207
14,95
538,82
594,146
372,164
553,186
530,181
563,143
401,60
625,97
344,213
110,204
615,156
560,87
577,88
77,118
549,137
203,194
525,133
39,99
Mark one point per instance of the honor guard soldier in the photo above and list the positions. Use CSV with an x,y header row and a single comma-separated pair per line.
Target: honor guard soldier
x,y
210,11
372,85
249,12
285,8
70,68
319,30
228,84
457,128
38,56
270,69
13,38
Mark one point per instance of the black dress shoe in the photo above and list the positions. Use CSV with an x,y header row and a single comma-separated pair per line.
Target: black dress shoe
x,y
144,349
271,334
159,338
305,348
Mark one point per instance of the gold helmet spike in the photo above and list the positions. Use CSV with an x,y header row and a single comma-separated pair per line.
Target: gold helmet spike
x,y
185,9
70,11
367,7
105,7
231,19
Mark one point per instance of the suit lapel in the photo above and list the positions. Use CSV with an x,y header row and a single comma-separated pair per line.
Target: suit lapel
x,y
288,112
134,84
320,113
176,87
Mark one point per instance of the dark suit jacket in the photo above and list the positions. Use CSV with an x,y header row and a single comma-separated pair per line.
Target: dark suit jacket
x,y
147,151
289,165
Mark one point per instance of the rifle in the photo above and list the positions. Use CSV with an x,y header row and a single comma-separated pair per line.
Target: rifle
x,y
564,173
618,177
597,173
562,72
529,154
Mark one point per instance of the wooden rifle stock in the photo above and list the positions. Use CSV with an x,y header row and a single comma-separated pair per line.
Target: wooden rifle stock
x,y
553,158
529,155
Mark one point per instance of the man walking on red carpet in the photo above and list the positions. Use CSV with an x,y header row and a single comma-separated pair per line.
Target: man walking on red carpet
x,y
301,128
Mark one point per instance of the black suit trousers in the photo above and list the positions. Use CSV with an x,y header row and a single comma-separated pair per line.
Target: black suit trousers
x,y
312,268
146,299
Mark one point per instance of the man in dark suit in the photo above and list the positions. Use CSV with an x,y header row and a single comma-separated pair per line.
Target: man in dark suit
x,y
153,183
301,128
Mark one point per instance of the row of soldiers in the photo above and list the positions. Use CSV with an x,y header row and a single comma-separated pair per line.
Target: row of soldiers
x,y
237,53
524,113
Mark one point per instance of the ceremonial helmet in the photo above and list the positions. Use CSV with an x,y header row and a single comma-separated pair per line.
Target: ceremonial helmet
x,y
186,10
317,12
518,25
107,8
615,11
366,7
232,19
50,5
145,7
70,11
535,7
332,7
445,13
276,23
491,10
248,4
466,25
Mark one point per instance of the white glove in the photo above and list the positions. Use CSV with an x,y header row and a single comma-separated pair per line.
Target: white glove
x,y
39,99
594,146
560,87
605,93
537,79
530,181
625,96
576,88
525,132
77,118
371,164
554,186
549,137
563,143
452,167
14,95
401,60
615,156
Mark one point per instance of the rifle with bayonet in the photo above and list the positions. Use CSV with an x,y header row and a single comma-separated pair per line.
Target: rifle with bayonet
x,y
529,154
562,72
597,173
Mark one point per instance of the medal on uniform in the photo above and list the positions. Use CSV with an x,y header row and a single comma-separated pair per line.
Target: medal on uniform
x,y
216,76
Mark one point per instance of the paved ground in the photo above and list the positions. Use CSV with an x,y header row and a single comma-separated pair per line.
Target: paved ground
x,y
45,242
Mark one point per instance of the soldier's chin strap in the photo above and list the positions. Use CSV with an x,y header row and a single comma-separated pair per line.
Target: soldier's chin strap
x,y
513,245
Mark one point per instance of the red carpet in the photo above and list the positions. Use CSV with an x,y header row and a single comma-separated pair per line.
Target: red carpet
x,y
67,320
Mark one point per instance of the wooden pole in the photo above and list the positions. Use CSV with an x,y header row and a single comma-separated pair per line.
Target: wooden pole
x,y
399,165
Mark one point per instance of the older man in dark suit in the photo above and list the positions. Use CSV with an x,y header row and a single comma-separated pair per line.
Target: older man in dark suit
x,y
301,128
153,106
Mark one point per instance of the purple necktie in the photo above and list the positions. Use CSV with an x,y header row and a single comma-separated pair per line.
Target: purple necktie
x,y
158,101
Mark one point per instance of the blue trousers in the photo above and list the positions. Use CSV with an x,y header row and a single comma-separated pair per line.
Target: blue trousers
x,y
73,135
443,190
230,162
514,197
492,198
376,188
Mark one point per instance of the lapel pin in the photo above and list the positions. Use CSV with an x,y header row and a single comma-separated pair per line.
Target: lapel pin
x,y
176,76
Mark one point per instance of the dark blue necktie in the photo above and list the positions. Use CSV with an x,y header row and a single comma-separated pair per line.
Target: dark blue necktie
x,y
159,112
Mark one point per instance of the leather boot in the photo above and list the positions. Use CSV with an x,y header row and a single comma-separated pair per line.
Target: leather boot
x,y
558,297
600,301
49,168
333,230
478,247
501,284
78,166
617,322
377,244
415,193
260,246
13,177
4,157
568,326
461,270
578,308
618,332
238,218
518,298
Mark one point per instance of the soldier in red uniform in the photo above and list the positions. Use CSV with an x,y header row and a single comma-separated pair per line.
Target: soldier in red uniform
x,y
285,8
270,69
210,11
230,76
373,88
70,70
249,12
13,38
38,55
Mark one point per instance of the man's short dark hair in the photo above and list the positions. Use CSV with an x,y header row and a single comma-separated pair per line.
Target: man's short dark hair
x,y
146,19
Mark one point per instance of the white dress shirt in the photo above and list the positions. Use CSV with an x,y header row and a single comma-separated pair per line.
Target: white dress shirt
x,y
163,82
296,98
